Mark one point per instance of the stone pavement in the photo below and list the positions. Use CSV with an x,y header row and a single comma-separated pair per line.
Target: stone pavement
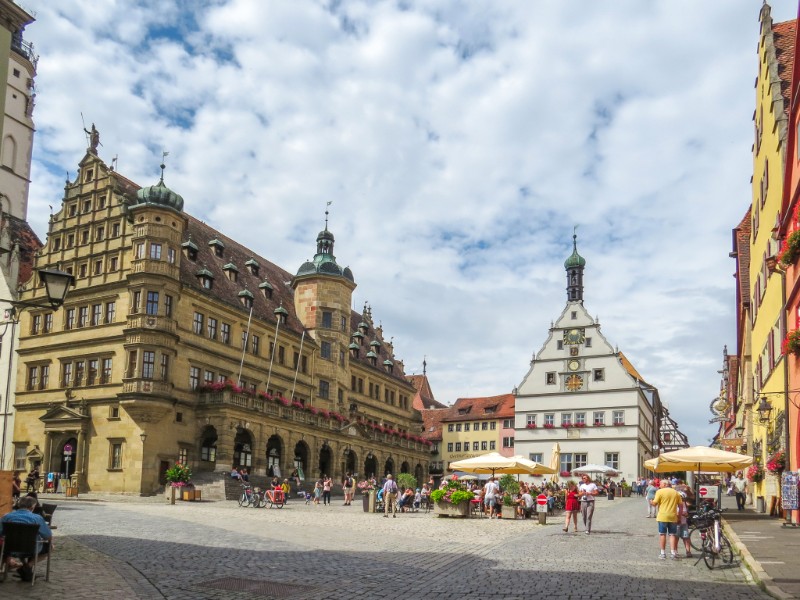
x,y
770,550
144,548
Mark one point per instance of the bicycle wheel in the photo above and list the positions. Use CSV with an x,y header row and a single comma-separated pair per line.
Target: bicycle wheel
x,y
279,502
243,499
725,550
256,500
695,539
709,556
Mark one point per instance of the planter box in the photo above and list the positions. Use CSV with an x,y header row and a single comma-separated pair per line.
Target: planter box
x,y
71,492
445,509
191,495
508,512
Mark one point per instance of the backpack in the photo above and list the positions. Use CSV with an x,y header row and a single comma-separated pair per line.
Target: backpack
x,y
348,482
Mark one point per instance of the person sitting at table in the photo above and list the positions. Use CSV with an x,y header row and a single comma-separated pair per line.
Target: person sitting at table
x,y
25,515
525,504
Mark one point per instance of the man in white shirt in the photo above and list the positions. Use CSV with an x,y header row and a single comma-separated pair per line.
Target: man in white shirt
x,y
740,489
490,493
587,491
525,507
389,497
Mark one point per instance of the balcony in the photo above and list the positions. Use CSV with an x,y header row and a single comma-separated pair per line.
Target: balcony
x,y
155,267
24,49
280,408
154,322
147,386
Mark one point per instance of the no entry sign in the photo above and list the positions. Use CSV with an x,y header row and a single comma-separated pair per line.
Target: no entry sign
x,y
541,500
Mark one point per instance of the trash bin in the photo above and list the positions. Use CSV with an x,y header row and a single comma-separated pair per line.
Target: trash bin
x,y
610,494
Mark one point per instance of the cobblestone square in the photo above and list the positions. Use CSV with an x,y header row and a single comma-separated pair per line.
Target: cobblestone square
x,y
145,548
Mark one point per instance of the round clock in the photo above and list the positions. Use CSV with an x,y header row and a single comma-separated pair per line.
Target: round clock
x,y
574,365
574,336
574,382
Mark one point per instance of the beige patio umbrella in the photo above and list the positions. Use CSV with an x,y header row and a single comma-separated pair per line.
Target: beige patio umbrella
x,y
493,463
535,467
699,458
555,462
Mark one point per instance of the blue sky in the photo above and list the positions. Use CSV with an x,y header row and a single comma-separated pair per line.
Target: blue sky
x,y
459,142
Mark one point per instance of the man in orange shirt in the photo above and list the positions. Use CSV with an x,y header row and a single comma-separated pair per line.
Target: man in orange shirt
x,y
667,500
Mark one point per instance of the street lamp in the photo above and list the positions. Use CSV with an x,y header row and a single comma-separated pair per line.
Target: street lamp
x,y
764,409
739,429
143,436
56,285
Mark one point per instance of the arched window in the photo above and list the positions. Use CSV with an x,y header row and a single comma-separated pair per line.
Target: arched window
x,y
9,157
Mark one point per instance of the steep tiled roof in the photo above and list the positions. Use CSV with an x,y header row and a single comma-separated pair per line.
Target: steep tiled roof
x,y
742,249
29,244
432,423
424,397
783,35
474,409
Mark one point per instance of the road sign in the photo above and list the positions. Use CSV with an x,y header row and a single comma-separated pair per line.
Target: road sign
x,y
67,449
541,500
703,491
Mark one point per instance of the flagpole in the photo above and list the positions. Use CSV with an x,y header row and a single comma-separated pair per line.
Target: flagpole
x,y
244,346
299,360
274,348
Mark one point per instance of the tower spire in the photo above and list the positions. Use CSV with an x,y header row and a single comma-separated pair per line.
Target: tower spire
x,y
574,266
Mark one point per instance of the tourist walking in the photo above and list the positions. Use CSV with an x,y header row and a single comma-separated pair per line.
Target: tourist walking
x,y
327,483
571,507
667,500
649,494
739,485
389,497
587,492
490,492
347,488
317,491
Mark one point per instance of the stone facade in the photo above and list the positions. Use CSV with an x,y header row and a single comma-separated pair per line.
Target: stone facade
x,y
179,344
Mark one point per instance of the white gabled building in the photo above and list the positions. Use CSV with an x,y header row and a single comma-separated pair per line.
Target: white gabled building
x,y
584,395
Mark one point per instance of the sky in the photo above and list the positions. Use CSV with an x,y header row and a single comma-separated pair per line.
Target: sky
x,y
459,143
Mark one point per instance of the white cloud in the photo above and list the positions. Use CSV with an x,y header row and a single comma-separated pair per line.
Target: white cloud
x,y
459,143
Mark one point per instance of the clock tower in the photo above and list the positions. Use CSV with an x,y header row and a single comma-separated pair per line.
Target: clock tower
x,y
574,266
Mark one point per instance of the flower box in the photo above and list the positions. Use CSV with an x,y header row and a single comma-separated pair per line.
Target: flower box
x,y
599,424
446,509
777,462
530,426
791,249
549,426
508,512
618,424
580,425
564,473
566,425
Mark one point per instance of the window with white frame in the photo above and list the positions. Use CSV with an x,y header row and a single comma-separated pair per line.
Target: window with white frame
x,y
599,417
580,418
566,462
581,459
536,457
530,420
508,442
566,418
508,423
619,417
492,445
549,419
449,446
612,460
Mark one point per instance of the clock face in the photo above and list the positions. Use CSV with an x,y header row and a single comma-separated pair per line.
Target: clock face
x,y
574,336
574,365
574,382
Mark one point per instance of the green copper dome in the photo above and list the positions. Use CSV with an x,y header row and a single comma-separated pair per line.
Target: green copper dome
x,y
159,194
575,259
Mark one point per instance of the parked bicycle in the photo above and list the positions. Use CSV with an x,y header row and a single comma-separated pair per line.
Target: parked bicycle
x,y
713,543
248,496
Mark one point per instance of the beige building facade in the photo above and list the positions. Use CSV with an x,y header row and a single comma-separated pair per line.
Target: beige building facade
x,y
178,344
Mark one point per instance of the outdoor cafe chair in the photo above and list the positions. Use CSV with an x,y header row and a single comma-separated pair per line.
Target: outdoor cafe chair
x,y
48,509
21,540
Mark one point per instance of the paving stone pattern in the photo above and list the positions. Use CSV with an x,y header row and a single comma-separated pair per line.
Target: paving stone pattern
x,y
214,550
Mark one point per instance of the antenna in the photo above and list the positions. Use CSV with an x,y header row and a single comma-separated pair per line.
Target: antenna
x,y
114,162
326,213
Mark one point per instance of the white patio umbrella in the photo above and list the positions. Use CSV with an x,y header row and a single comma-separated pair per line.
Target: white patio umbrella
x,y
493,463
591,469
699,458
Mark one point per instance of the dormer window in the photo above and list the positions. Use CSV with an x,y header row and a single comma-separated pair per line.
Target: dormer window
x,y
354,348
490,409
375,345
266,288
252,266
217,246
373,358
206,278
246,298
190,249
281,314
358,337
388,365
231,271
363,328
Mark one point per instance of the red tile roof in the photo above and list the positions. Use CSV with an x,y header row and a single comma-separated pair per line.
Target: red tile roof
x,y
424,397
475,409
783,35
432,423
742,250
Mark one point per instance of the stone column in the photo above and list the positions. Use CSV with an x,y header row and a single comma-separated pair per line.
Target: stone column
x,y
80,459
48,444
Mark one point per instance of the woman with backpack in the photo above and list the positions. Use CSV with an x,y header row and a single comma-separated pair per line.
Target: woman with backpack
x,y
347,488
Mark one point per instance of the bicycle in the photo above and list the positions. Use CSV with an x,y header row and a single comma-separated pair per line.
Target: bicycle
x,y
714,545
275,498
248,496
699,519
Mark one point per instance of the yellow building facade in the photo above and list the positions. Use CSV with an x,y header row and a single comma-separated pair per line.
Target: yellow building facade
x,y
178,344
764,436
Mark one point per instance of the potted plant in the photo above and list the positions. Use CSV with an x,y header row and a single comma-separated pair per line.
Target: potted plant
x,y
178,477
755,473
369,490
791,249
791,343
510,488
777,462
452,500
626,490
